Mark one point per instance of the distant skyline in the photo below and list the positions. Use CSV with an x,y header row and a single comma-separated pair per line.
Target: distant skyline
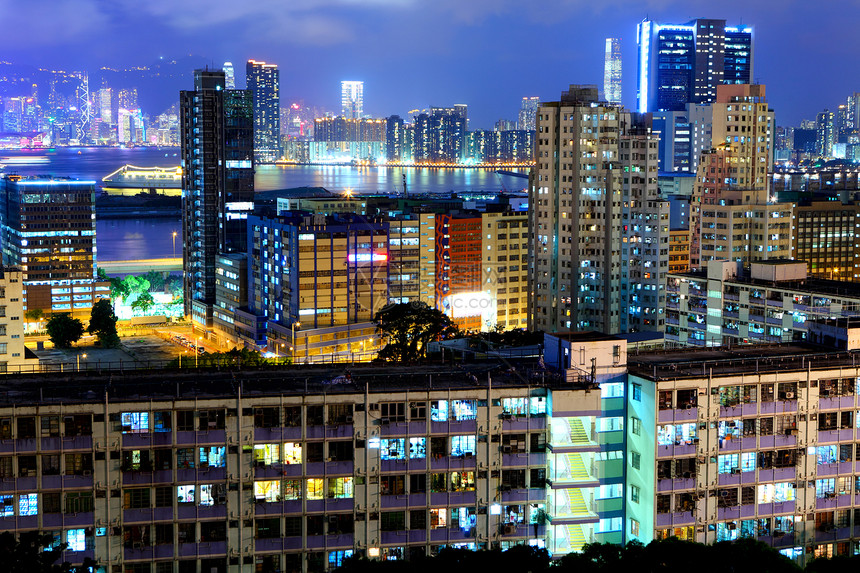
x,y
412,54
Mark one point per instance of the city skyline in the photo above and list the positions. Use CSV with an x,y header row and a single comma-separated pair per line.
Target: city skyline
x,y
473,45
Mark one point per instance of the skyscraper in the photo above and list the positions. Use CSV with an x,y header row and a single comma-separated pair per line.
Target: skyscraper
x,y
352,99
217,183
612,71
229,76
825,134
681,64
440,136
49,231
599,233
263,82
528,113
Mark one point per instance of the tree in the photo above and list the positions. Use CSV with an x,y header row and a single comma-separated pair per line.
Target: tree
x,y
118,288
103,324
143,302
408,328
63,330
156,281
34,314
35,552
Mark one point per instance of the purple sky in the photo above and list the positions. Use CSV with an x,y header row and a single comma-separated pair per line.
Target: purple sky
x,y
417,53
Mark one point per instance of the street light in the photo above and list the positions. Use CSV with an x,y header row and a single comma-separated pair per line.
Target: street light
x,y
293,329
174,244
79,361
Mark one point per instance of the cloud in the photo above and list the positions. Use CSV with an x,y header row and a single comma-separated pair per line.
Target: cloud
x,y
49,22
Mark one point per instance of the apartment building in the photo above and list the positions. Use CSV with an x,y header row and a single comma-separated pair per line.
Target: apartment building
x,y
773,301
297,469
753,443
12,353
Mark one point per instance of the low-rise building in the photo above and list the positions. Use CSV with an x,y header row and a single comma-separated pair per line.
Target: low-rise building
x,y
774,301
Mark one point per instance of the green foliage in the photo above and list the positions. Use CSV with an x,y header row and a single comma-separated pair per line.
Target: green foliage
x,y
35,552
156,281
63,330
143,303
102,275
118,288
34,314
135,285
103,324
665,556
235,357
516,337
408,327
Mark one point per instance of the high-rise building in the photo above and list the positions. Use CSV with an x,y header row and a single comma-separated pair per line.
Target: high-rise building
x,y
352,99
825,134
263,81
681,64
612,71
590,201
440,136
49,232
217,183
229,76
684,135
732,188
528,113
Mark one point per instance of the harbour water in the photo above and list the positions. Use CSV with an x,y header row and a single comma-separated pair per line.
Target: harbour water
x,y
152,238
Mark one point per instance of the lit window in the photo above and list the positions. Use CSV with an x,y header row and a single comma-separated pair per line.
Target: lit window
x,y
315,488
134,422
28,504
417,448
185,493
266,454
267,490
77,539
439,411
393,449
292,453
340,488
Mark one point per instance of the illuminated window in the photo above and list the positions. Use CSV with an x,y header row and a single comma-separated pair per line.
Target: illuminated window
x,y
439,518
464,409
462,445
417,448
463,481
213,457
292,453
28,504
77,539
267,491
206,495
340,488
7,505
335,558
315,488
134,422
515,406
292,489
185,493
392,449
266,454
439,411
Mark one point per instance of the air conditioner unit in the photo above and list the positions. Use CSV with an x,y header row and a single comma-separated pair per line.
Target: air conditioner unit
x,y
348,419
789,395
384,421
510,529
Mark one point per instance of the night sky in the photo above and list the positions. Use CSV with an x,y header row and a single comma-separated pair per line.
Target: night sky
x,y
417,53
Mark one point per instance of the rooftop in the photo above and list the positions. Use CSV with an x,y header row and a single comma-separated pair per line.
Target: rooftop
x,y
177,384
590,336
691,362
810,285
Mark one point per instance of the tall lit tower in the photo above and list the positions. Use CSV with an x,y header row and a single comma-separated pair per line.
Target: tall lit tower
x,y
229,76
528,113
598,251
352,99
263,82
217,183
612,71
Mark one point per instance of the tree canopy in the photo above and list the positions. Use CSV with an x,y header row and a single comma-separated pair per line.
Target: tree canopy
x,y
407,329
36,553
661,556
103,324
63,330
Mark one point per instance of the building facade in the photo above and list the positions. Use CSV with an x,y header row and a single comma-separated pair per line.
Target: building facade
x,y
217,183
684,63
775,301
264,83
612,71
592,198
352,99
49,232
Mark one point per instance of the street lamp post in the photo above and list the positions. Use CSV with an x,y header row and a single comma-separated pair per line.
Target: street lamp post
x,y
293,329
174,244
79,361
